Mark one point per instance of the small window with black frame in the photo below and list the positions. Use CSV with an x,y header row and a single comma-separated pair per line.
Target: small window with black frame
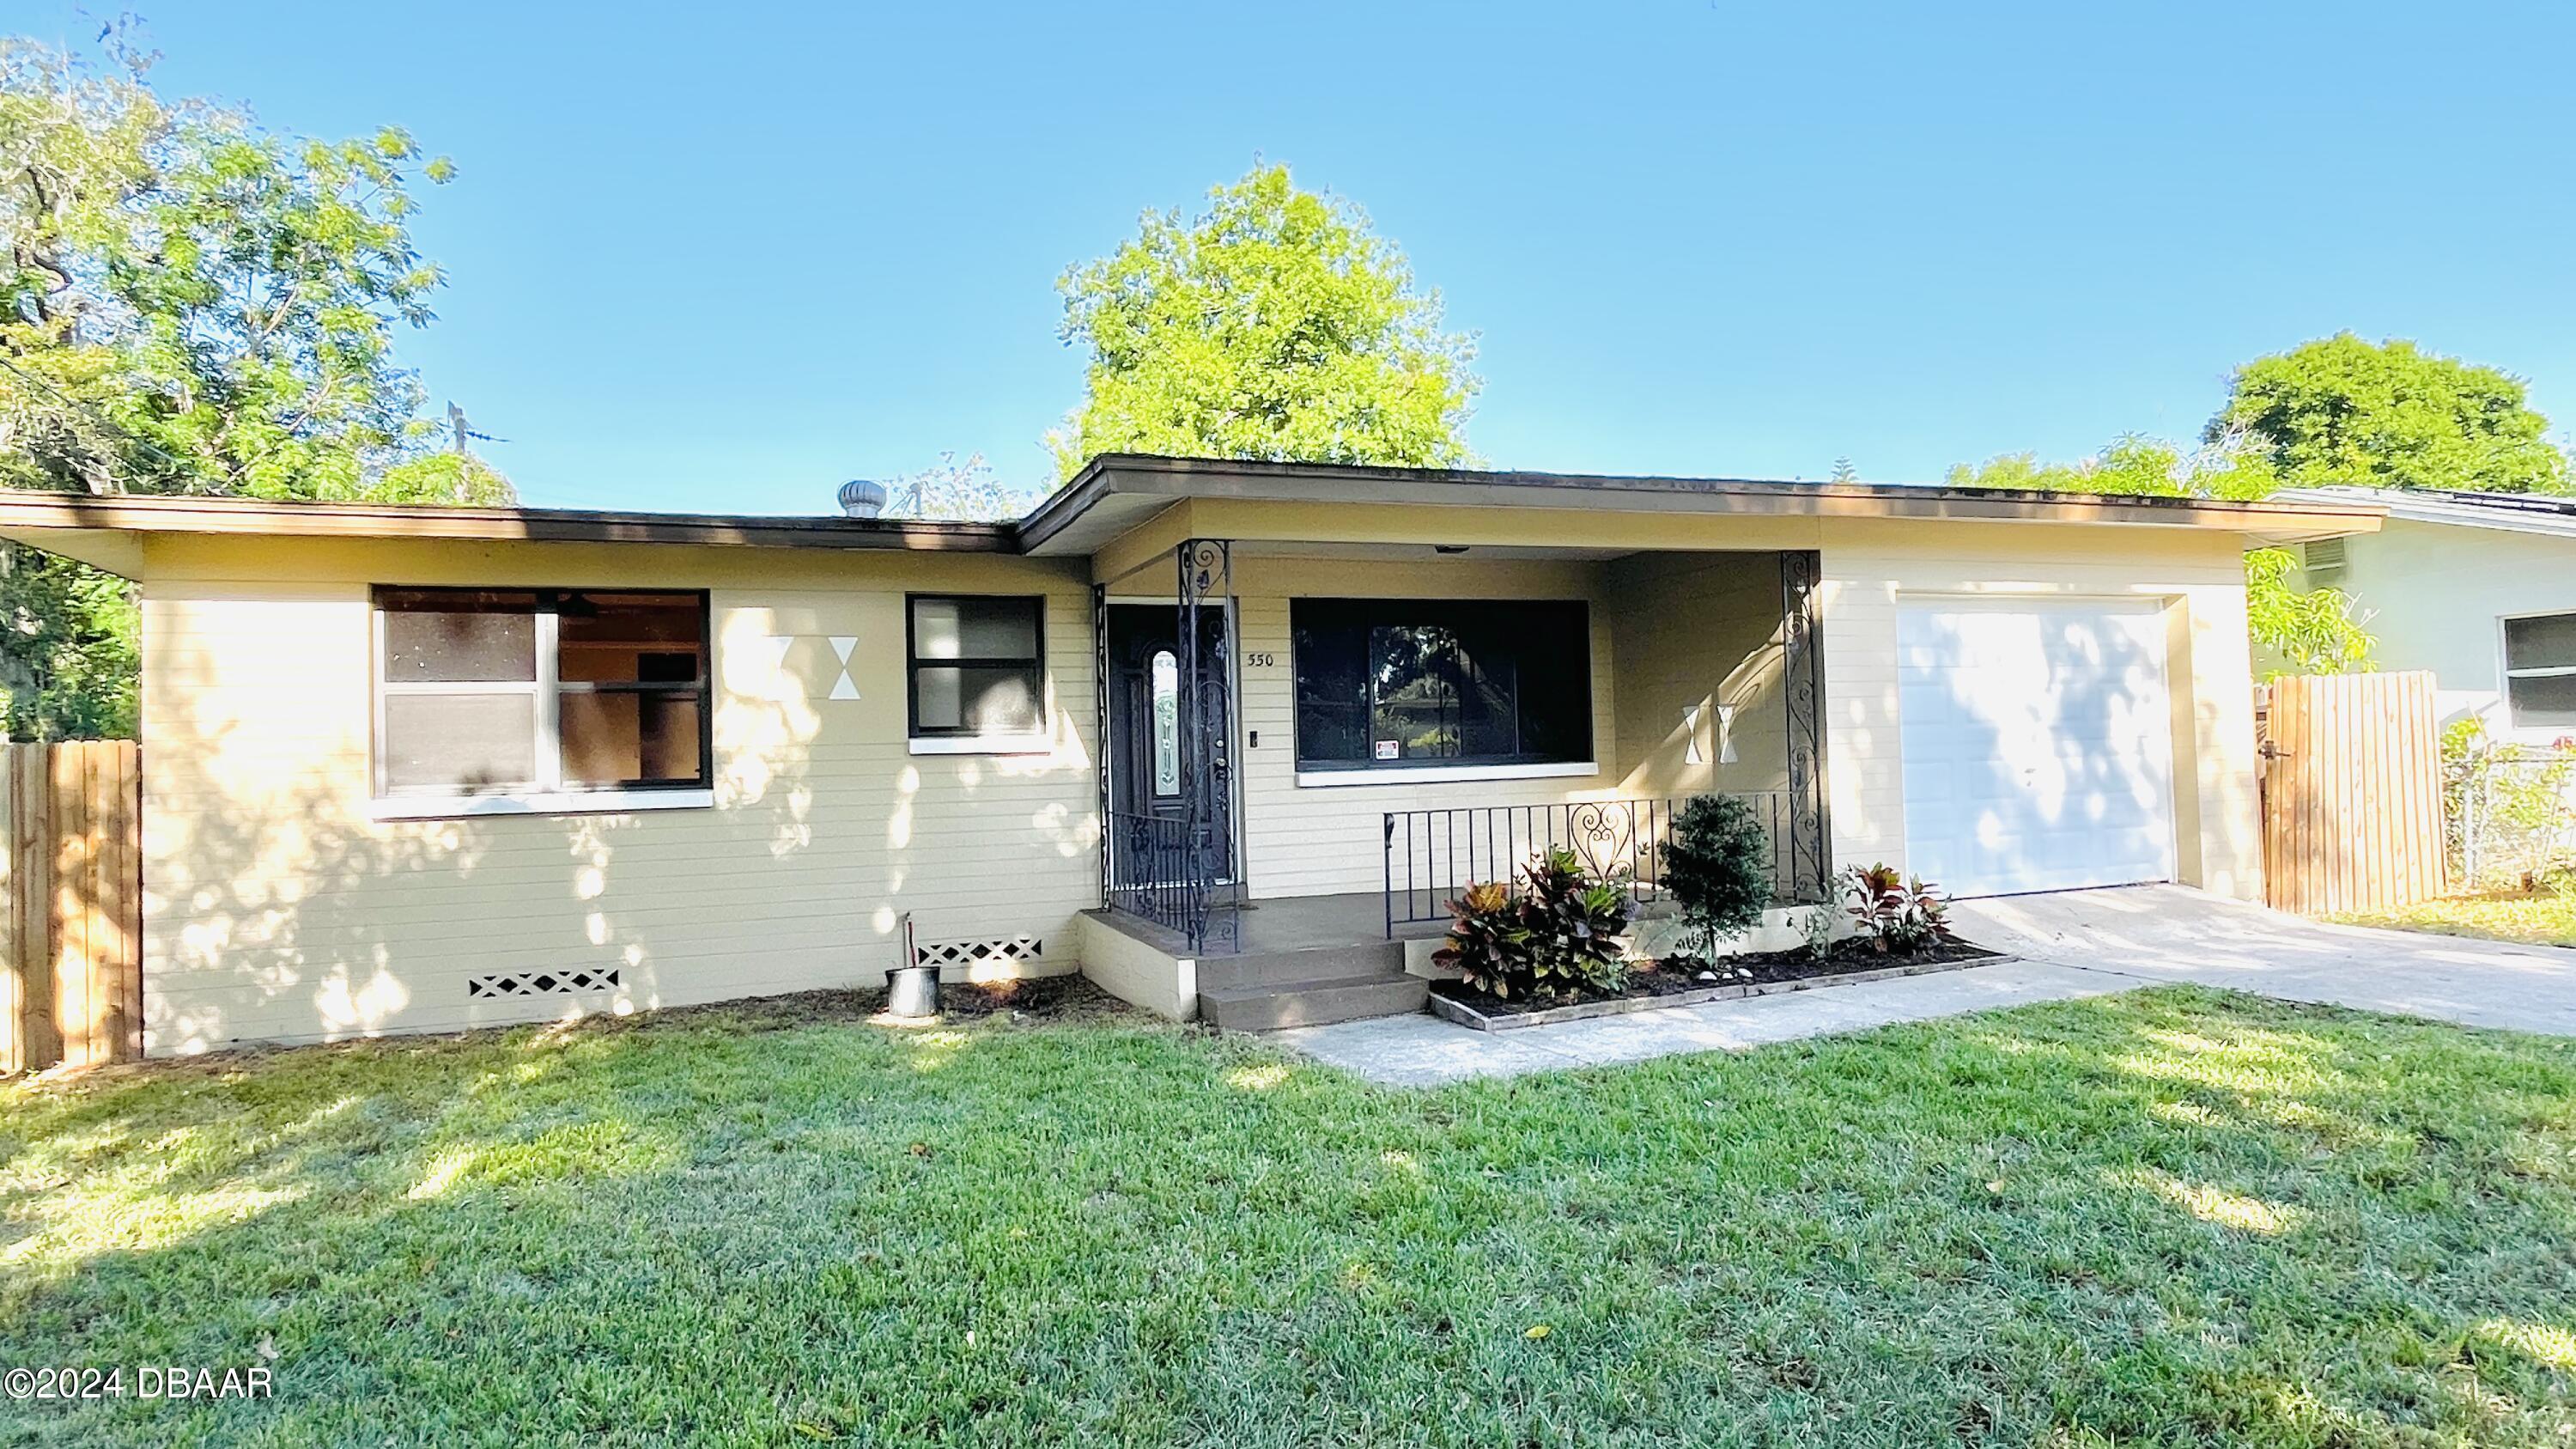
x,y
540,691
976,665
2540,671
1391,684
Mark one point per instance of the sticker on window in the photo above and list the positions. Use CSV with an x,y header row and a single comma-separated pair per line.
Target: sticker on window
x,y
1390,750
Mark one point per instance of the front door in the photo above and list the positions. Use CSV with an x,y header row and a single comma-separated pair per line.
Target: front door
x,y
1148,772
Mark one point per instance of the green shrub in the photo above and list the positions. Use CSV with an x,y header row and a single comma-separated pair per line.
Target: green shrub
x,y
1718,867
1897,914
2505,806
1818,928
1559,933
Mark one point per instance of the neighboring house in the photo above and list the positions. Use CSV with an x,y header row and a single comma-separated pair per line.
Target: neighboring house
x,y
2479,588
413,769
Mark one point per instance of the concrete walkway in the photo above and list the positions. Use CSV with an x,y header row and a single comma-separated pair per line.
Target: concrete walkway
x,y
2070,944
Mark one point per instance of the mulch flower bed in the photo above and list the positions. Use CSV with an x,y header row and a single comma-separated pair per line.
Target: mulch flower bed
x,y
1676,976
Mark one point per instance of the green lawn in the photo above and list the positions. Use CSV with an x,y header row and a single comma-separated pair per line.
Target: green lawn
x,y
2176,1217
2545,918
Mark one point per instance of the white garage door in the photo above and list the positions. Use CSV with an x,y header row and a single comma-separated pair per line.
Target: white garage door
x,y
2037,745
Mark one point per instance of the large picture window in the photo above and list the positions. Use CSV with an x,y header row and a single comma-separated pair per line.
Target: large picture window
x,y
1386,684
2540,671
977,666
499,692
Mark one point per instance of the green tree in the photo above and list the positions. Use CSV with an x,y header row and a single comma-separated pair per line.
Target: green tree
x,y
956,490
2314,631
190,304
2388,415
1844,472
1275,325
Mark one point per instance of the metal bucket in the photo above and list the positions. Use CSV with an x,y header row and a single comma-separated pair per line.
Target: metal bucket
x,y
912,989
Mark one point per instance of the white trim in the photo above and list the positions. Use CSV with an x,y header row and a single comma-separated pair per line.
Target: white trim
x,y
983,745
557,802
1443,774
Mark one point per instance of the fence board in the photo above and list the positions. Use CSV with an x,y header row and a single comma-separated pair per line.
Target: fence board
x,y
71,940
2352,793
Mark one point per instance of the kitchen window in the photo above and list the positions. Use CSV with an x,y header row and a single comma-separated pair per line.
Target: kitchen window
x,y
546,698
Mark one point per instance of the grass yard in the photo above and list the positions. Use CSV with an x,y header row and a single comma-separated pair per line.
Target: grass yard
x,y
2175,1217
2543,918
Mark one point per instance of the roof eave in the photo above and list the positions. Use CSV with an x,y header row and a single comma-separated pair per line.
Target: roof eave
x,y
163,514
1136,475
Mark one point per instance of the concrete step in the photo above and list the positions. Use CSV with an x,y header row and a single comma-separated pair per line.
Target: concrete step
x,y
1272,1005
1314,963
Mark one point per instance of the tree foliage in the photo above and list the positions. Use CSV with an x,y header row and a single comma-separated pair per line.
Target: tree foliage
x,y
190,304
1718,867
2314,631
1274,325
2308,631
956,490
2340,410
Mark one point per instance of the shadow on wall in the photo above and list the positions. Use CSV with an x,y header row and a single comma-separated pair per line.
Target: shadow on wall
x,y
2022,778
278,910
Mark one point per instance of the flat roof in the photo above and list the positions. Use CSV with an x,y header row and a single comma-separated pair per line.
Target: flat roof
x,y
1114,491
2545,513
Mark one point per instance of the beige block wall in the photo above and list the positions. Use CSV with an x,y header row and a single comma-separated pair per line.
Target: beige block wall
x,y
1695,631
1871,568
276,909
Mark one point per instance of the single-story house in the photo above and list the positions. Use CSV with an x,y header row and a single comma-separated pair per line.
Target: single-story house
x,y
2479,588
1222,735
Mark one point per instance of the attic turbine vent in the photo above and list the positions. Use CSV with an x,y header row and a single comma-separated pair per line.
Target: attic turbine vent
x,y
2325,560
862,499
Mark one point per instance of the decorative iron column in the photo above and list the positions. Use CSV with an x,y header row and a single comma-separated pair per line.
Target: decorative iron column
x,y
1206,724
1810,844
1100,761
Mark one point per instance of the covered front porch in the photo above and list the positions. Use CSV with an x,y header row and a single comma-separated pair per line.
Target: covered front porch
x,y
1355,730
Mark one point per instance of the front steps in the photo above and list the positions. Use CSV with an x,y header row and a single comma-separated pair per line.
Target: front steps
x,y
1270,990
1307,961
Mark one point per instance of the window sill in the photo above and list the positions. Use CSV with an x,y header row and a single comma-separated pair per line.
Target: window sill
x,y
1443,774
983,745
567,802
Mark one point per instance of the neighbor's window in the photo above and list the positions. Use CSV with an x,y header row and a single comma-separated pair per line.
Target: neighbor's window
x,y
1387,683
976,665
2540,671
502,691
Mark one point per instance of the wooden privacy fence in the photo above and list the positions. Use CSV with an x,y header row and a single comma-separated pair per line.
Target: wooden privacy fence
x,y
73,991
2352,793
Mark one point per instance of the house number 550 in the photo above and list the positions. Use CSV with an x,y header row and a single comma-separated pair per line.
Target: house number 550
x,y
1259,660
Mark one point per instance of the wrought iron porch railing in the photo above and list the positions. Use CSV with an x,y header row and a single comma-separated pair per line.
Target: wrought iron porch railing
x,y
1163,871
1433,855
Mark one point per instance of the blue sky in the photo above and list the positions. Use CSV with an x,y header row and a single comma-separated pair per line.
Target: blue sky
x,y
717,258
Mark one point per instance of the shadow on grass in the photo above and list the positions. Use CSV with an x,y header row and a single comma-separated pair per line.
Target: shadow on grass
x,y
2171,1217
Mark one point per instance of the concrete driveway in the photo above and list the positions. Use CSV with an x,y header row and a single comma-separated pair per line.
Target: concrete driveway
x,y
2175,933
2069,944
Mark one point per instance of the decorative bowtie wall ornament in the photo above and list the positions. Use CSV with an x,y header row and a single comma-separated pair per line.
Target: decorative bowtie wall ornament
x,y
804,667
843,687
1725,736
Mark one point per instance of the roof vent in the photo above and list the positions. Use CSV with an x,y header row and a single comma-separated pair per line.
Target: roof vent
x,y
2325,560
862,499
